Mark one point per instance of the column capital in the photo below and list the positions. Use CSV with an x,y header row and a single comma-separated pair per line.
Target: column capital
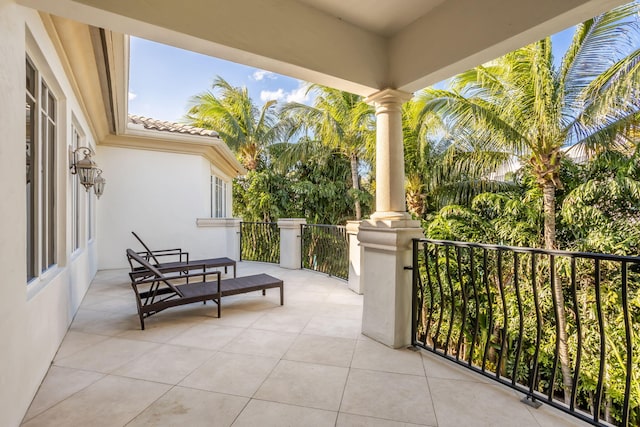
x,y
388,96
353,227
218,222
291,222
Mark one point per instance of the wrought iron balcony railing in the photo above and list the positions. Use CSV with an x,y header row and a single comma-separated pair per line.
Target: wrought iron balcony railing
x,y
260,241
325,248
561,327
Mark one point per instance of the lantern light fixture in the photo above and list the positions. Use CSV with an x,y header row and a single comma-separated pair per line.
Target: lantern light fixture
x,y
85,168
99,183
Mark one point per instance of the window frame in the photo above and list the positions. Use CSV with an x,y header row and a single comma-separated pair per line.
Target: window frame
x,y
31,162
218,190
41,136
77,200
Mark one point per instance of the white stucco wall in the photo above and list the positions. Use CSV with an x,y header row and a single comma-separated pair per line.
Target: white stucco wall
x,y
34,317
160,196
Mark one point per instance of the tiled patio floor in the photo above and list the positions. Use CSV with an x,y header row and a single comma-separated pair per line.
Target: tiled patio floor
x,y
302,364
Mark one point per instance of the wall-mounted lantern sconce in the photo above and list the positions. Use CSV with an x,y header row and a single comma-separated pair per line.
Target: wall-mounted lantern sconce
x,y
86,168
99,183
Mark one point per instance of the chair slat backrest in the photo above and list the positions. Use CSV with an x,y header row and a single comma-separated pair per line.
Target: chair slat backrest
x,y
146,248
143,262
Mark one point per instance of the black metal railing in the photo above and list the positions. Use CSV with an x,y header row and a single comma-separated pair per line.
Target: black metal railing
x,y
561,327
260,241
325,248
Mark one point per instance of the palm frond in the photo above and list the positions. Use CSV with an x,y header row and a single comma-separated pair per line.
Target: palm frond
x,y
597,45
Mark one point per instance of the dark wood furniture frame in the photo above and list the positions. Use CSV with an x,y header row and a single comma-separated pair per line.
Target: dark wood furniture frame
x,y
182,265
156,292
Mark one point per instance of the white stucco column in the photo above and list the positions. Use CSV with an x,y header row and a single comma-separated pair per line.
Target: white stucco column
x,y
386,238
390,198
290,242
355,256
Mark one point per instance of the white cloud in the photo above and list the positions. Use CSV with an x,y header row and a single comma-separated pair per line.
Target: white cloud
x,y
132,96
268,95
298,95
262,74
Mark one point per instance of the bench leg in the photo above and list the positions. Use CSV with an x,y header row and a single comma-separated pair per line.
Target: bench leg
x,y
281,295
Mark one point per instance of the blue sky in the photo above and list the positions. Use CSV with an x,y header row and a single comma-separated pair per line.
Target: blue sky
x,y
162,78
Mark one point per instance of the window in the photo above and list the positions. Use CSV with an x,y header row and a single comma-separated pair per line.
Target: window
x,y
218,198
40,140
75,195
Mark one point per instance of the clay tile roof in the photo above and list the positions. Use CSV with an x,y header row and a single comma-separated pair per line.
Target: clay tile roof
x,y
164,126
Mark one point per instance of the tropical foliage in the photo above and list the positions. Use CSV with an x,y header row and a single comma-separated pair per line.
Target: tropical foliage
x,y
315,187
316,177
525,104
343,122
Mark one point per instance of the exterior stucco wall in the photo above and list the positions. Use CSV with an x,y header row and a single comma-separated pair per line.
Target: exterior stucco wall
x,y
36,316
160,196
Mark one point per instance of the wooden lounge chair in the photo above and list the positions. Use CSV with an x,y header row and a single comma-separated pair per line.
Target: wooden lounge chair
x,y
156,291
179,262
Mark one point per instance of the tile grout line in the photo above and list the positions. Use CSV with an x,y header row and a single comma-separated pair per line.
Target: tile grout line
x,y
252,397
344,389
426,377
24,420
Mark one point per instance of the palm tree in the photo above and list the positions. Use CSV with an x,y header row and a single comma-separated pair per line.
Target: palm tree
x,y
342,121
523,103
439,172
230,111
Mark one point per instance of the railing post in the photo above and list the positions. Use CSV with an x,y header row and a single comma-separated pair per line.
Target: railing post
x,y
415,272
290,242
355,256
240,242
233,238
223,233
387,246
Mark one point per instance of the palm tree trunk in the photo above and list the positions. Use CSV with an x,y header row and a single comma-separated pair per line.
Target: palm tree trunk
x,y
549,203
355,179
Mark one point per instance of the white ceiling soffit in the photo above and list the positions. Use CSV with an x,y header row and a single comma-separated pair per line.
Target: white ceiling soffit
x,y
360,46
383,17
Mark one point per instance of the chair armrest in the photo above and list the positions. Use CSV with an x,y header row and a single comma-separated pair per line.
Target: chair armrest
x,y
203,274
141,278
183,256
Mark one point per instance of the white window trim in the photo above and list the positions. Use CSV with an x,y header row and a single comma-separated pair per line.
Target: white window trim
x,y
42,277
76,223
219,200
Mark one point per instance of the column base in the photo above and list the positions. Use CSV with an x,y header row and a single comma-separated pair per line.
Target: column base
x,y
355,257
386,245
390,216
